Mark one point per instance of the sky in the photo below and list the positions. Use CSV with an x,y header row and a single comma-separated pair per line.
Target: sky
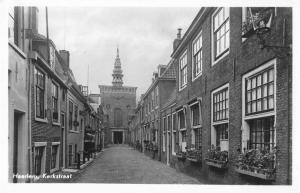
x,y
144,36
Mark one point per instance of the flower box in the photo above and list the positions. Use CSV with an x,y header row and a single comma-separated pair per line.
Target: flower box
x,y
181,156
216,163
258,173
194,155
259,163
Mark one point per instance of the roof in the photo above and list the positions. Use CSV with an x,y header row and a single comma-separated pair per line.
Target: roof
x,y
170,72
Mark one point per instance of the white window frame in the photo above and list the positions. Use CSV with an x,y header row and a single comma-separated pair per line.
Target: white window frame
x,y
184,54
215,123
164,133
181,130
57,157
173,135
225,52
245,118
43,164
192,119
45,96
197,75
58,102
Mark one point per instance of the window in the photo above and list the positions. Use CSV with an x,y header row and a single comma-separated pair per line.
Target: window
x,y
62,120
70,155
196,122
198,138
260,92
39,94
262,133
76,117
164,141
164,124
63,94
169,123
220,105
183,70
220,114
182,142
152,99
54,157
222,133
118,118
197,56
39,160
54,102
181,118
70,115
221,32
196,116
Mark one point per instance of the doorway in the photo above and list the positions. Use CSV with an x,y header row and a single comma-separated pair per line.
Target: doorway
x,y
118,137
18,118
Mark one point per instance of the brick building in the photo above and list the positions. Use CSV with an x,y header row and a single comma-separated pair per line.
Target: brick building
x,y
233,96
48,104
119,102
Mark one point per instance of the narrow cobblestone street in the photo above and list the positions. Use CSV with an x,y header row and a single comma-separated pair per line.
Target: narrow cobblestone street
x,y
122,164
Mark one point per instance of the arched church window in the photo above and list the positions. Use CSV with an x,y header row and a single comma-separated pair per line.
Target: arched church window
x,y
118,119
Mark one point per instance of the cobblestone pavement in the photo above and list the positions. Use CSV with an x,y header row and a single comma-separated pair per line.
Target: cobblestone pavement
x,y
122,164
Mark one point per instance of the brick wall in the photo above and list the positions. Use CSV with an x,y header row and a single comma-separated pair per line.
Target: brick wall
x,y
242,58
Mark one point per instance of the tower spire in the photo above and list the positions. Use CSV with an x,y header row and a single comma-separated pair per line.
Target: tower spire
x,y
117,72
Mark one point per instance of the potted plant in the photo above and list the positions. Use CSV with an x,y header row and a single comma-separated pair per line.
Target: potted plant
x,y
180,154
259,163
216,158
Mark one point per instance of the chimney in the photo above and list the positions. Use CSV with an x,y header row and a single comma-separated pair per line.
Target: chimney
x,y
65,56
35,21
176,42
155,75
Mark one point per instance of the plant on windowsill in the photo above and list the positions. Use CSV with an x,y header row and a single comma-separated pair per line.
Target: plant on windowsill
x,y
193,154
180,154
259,163
259,19
217,158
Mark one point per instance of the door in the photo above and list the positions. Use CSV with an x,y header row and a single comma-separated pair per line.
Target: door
x,y
168,148
15,147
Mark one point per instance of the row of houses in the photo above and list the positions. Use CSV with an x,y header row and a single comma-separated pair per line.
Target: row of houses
x,y
53,122
221,109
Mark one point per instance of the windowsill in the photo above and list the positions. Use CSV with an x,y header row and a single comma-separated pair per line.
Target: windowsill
x,y
196,126
73,131
183,129
41,120
259,115
220,122
182,87
225,53
197,76
56,123
54,170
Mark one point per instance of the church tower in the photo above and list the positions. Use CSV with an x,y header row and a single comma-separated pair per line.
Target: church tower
x,y
119,102
117,72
